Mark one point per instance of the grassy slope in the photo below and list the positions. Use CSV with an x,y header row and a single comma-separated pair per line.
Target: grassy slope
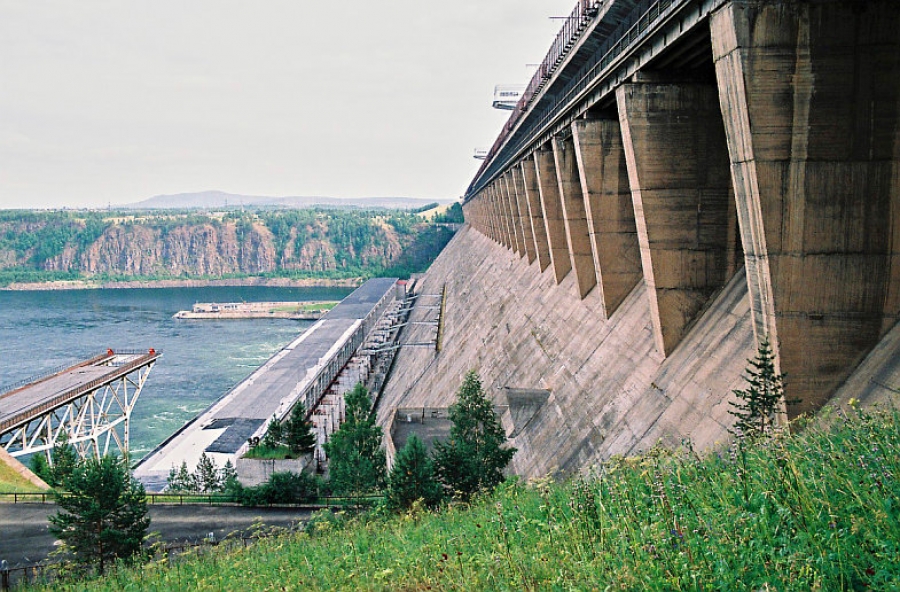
x,y
12,482
820,511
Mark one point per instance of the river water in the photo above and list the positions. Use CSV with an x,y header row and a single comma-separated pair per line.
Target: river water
x,y
202,359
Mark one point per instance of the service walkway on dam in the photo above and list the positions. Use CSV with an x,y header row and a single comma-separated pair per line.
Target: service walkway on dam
x,y
301,371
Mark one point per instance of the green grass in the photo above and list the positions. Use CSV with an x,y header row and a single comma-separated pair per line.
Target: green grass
x,y
819,511
266,453
12,482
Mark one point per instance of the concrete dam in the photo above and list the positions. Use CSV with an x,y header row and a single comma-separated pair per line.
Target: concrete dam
x,y
681,180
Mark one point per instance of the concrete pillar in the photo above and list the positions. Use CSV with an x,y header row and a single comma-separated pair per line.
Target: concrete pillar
x,y
503,200
610,214
554,218
517,209
500,215
577,236
514,218
680,185
535,211
518,186
810,95
492,212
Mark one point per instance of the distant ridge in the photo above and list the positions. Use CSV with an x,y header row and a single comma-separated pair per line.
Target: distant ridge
x,y
221,199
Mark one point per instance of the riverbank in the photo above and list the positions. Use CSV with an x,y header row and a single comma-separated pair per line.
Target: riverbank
x,y
185,283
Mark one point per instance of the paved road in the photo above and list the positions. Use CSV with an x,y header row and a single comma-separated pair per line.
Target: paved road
x,y
24,538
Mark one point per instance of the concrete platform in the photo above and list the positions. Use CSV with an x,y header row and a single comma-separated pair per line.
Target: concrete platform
x,y
300,371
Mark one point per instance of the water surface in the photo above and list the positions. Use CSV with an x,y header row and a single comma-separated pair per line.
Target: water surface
x,y
202,359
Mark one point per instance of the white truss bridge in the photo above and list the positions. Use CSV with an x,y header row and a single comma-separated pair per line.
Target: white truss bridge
x,y
89,404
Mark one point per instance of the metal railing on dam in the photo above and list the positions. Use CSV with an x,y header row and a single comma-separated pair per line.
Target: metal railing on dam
x,y
530,121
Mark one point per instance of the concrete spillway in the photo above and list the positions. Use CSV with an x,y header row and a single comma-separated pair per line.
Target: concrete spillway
x,y
301,371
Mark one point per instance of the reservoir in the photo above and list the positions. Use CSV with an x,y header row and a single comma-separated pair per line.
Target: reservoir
x,y
202,359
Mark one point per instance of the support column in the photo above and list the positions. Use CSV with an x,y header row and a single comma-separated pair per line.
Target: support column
x,y
503,198
577,236
518,188
513,207
501,215
521,213
810,94
535,211
554,219
610,214
680,184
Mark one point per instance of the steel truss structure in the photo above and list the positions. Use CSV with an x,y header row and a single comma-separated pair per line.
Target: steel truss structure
x,y
94,417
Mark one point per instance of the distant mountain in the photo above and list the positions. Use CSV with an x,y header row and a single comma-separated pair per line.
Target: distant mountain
x,y
220,199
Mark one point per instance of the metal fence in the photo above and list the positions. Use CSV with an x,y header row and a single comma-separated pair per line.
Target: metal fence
x,y
629,32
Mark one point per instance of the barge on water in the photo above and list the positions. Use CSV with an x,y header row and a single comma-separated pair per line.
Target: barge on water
x,y
303,311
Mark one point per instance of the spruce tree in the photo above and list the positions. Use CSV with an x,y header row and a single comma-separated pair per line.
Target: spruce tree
x,y
102,513
274,434
181,481
40,467
757,406
412,477
206,475
298,432
63,459
356,462
475,455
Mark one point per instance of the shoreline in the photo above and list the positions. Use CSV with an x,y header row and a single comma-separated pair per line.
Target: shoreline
x,y
185,283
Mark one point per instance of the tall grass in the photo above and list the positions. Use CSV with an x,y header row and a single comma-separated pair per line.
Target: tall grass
x,y
819,511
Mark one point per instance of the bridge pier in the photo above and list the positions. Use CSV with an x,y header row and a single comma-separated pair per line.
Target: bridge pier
x,y
577,236
608,208
554,217
810,94
681,189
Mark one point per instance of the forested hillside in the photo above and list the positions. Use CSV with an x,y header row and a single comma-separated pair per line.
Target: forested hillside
x,y
327,243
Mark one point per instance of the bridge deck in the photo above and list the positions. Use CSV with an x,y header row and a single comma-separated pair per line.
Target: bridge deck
x,y
21,404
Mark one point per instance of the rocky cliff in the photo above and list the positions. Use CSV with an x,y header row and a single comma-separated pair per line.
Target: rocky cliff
x,y
330,242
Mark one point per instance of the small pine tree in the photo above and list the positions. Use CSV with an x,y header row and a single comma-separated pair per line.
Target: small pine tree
x,y
102,514
412,477
40,467
181,481
298,432
356,462
274,434
475,455
63,459
757,406
206,475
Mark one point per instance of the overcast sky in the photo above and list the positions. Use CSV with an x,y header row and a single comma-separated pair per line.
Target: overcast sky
x,y
116,101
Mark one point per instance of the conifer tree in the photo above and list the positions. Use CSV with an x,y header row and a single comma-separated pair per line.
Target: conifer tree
x,y
758,404
181,481
356,462
475,455
206,475
299,436
412,477
102,513
274,434
63,460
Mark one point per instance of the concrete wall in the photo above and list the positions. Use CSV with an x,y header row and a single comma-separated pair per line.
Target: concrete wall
x,y
610,390
252,471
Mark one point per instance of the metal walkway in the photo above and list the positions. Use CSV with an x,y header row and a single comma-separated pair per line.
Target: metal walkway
x,y
87,402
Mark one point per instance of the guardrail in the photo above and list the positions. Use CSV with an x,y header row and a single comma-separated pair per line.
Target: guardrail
x,y
632,28
80,390
8,388
200,499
